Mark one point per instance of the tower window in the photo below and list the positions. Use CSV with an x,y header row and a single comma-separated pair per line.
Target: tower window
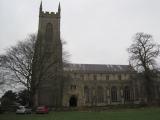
x,y
48,37
49,31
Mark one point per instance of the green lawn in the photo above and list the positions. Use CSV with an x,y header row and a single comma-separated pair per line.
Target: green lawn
x,y
126,114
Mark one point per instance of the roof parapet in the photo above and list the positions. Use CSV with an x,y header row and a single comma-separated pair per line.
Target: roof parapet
x,y
49,14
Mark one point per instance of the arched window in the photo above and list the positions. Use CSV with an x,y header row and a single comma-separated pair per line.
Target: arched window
x,y
114,94
119,77
95,77
100,95
107,77
93,95
86,94
82,77
127,93
48,36
136,95
107,94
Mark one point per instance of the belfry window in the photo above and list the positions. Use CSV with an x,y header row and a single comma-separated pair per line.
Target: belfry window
x,y
48,36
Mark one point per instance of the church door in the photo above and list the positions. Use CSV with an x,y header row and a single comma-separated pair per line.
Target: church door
x,y
73,101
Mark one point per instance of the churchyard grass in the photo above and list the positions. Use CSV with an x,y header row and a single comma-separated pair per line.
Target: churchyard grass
x,y
121,114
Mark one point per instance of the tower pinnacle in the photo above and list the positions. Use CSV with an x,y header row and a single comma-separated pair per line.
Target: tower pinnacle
x,y
59,8
40,9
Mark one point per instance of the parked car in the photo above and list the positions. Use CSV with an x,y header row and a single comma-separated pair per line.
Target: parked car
x,y
23,110
42,110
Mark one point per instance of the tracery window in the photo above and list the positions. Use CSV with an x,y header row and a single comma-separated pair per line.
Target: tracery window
x,y
82,77
119,77
127,93
86,94
73,87
107,77
95,77
114,94
100,94
48,37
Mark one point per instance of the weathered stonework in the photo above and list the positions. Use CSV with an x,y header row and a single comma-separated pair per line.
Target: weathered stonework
x,y
92,85
47,61
81,84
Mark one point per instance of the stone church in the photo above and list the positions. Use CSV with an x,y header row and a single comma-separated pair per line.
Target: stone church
x,y
77,85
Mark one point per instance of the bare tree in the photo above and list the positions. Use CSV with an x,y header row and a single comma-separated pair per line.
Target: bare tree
x,y
17,61
16,64
2,83
143,53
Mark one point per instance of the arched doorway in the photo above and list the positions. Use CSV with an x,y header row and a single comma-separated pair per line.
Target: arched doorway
x,y
73,101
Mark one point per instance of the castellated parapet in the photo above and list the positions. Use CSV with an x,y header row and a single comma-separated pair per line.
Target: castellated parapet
x,y
49,14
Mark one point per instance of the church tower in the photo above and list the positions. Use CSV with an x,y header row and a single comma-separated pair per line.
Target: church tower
x,y
47,61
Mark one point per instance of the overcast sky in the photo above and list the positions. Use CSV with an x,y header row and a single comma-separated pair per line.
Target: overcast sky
x,y
96,31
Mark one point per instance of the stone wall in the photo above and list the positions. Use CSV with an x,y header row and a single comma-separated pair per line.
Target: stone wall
x,y
80,80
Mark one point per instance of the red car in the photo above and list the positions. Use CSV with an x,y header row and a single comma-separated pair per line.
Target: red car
x,y
42,110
